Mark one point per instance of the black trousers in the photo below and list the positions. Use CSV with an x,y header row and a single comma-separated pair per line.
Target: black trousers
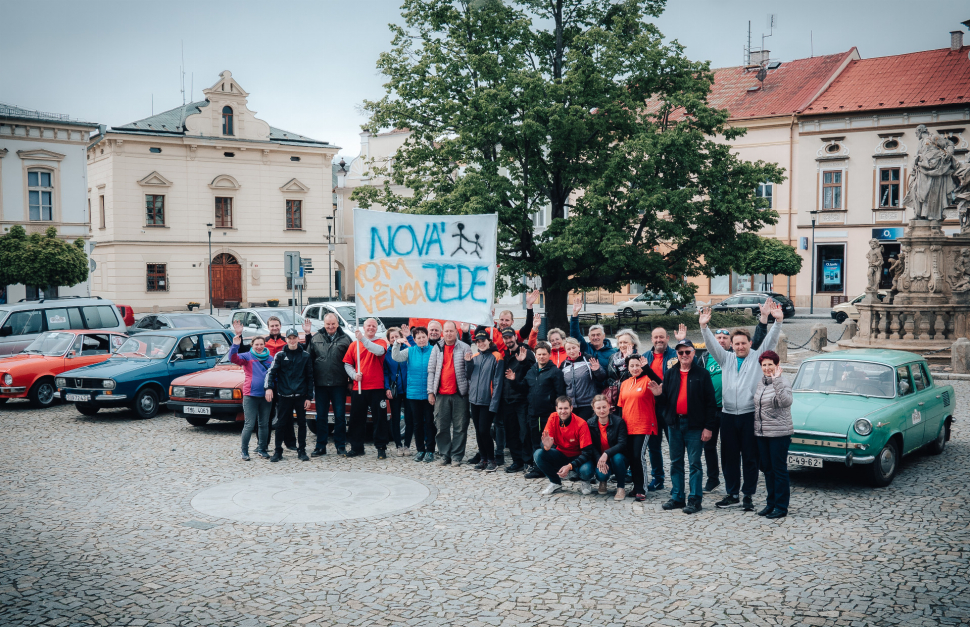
x,y
635,457
710,449
739,453
585,412
284,421
515,416
483,431
360,402
422,414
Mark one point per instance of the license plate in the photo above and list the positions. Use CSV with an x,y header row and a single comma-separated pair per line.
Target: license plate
x,y
796,460
202,411
77,398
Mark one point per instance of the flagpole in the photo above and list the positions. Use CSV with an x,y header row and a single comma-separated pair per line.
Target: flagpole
x,y
359,381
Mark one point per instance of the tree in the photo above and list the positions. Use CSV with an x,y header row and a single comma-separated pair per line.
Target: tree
x,y
771,256
578,108
12,257
41,259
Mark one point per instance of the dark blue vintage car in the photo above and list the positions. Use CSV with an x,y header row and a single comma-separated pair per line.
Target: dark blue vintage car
x,y
139,373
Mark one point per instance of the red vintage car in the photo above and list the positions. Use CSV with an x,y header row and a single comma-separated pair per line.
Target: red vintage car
x,y
30,374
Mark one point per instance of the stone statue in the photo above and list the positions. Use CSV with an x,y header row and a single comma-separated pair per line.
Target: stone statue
x,y
897,268
961,179
874,257
931,179
961,271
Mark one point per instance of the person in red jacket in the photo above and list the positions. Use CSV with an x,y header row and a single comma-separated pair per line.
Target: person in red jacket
x,y
364,363
275,342
566,446
556,338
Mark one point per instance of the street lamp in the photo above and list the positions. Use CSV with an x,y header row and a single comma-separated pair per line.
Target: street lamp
x,y
811,296
209,263
330,254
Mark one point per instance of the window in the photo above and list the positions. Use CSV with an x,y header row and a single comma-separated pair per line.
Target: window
x,y
227,120
832,189
539,219
99,317
765,191
918,379
228,154
95,344
156,277
902,380
40,190
294,214
223,213
101,209
889,187
154,210
215,344
63,318
188,348
294,158
155,150
830,268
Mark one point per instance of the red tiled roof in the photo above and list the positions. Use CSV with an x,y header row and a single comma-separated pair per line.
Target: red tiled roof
x,y
786,90
918,79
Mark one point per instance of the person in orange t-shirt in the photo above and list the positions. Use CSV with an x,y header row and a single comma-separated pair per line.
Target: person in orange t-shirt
x,y
566,446
367,378
639,411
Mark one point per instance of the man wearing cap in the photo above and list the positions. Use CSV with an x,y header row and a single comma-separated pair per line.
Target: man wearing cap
x,y
689,407
514,406
290,380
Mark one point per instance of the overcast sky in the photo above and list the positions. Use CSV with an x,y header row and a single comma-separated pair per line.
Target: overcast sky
x,y
308,65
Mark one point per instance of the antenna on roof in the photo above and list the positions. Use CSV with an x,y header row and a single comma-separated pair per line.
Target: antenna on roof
x,y
772,24
192,88
182,73
747,50
811,43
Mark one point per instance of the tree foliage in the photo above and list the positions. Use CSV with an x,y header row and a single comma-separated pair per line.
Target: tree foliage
x,y
41,259
771,256
577,108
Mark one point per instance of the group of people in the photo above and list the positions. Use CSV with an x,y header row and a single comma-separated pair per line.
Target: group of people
x,y
564,408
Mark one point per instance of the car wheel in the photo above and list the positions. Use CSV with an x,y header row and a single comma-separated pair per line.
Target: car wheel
x,y
673,312
628,311
146,404
883,469
197,421
87,410
841,317
41,395
936,446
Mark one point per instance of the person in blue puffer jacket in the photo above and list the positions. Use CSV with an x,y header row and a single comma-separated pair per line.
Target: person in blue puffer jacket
x,y
413,348
396,384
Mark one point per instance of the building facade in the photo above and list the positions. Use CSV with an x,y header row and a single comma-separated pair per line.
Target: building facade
x,y
207,176
43,183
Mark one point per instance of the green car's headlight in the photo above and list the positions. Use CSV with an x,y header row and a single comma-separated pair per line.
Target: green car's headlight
x,y
863,426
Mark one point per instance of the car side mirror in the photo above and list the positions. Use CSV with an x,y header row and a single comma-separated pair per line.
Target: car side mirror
x,y
177,357
253,326
72,354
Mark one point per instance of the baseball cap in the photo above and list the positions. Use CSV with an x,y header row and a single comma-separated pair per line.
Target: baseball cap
x,y
685,342
508,333
481,334
292,331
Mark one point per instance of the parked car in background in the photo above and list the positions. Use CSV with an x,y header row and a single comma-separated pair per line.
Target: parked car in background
x,y
649,303
139,373
847,310
215,393
255,320
175,320
753,300
869,408
127,314
346,313
21,323
31,374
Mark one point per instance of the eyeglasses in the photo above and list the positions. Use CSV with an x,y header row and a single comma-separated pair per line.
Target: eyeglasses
x,y
686,352
721,332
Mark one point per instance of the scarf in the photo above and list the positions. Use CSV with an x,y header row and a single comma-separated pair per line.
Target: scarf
x,y
263,356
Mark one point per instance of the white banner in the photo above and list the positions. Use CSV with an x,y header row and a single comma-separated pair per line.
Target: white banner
x,y
423,266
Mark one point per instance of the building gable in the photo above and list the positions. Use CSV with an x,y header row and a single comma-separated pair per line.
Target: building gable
x,y
224,181
40,155
294,186
155,180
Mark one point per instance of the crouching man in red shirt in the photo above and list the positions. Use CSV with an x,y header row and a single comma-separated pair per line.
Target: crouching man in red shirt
x,y
566,446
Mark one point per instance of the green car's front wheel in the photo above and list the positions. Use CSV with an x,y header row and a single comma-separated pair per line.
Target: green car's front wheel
x,y
883,469
936,446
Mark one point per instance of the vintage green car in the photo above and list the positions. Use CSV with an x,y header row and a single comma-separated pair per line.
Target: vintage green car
x,y
867,407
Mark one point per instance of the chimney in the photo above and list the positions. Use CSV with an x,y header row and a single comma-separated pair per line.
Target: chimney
x,y
956,40
759,56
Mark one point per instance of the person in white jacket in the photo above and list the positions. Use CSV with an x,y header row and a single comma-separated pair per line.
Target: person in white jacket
x,y
740,375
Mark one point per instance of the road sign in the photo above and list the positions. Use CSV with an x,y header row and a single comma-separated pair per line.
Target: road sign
x,y
291,263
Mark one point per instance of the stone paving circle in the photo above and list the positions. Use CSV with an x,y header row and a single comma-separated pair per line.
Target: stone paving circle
x,y
312,497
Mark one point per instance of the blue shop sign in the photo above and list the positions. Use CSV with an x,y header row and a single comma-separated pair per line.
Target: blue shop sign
x,y
887,234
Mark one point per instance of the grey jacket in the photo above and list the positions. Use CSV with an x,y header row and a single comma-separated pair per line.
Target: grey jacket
x,y
772,407
582,382
485,372
435,363
738,383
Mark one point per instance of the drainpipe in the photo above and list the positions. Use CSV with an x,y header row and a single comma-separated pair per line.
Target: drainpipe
x,y
791,183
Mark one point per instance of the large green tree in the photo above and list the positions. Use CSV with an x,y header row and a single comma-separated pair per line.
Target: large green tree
x,y
771,256
41,259
578,108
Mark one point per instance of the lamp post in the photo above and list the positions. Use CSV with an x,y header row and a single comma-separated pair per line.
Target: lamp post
x,y
811,296
209,263
330,254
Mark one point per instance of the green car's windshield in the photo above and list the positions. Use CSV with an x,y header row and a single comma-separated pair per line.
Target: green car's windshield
x,y
836,376
150,346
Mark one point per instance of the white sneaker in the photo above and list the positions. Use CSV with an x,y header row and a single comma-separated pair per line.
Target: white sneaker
x,y
552,488
585,488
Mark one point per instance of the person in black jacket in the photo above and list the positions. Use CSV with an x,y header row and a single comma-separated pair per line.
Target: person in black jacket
x,y
608,432
543,383
327,349
514,407
290,378
689,411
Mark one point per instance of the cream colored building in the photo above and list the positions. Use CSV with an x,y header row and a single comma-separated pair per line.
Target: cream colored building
x,y
156,185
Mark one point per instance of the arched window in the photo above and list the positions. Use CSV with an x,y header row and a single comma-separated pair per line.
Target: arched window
x,y
227,120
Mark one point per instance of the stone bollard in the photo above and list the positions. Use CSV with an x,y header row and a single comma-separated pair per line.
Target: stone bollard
x,y
782,348
820,338
851,328
748,311
960,356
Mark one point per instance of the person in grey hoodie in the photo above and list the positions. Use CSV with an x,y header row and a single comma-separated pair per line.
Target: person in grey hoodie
x,y
485,370
739,378
773,429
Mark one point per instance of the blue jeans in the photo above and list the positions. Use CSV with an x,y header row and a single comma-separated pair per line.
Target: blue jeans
x,y
773,459
616,466
549,462
325,395
681,439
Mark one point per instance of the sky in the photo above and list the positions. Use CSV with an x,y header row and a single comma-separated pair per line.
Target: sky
x,y
308,66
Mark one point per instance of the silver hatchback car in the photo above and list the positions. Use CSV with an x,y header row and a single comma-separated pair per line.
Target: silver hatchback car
x,y
21,323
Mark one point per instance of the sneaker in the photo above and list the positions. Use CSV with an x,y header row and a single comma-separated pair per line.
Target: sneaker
x,y
444,461
245,457
480,465
382,453
263,454
767,510
534,473
601,488
477,459
515,467
277,456
552,488
693,506
353,453
747,504
491,467
585,488
673,504
728,501
429,457
302,455
656,484
456,462
419,457
711,484
639,497
620,494
776,513
317,452
341,451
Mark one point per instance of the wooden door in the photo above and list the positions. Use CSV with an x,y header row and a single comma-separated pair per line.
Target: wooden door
x,y
226,280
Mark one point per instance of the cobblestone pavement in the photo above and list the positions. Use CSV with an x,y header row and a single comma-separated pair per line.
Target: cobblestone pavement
x,y
93,514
